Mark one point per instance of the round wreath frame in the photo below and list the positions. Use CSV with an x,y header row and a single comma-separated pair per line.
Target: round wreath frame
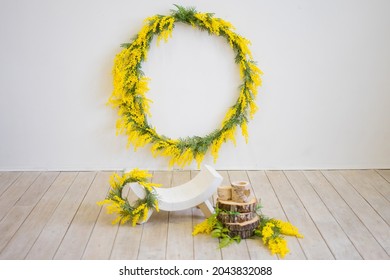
x,y
126,212
130,86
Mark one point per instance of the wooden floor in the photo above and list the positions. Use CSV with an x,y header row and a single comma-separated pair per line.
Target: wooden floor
x,y
343,214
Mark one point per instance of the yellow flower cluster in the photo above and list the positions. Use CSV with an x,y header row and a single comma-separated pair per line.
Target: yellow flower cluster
x,y
267,231
217,143
130,87
166,28
278,245
136,213
244,130
213,25
137,175
207,226
288,229
271,231
116,204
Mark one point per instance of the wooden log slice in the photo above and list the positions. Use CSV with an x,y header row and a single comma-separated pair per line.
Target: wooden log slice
x,y
242,234
235,218
245,229
224,192
246,207
240,191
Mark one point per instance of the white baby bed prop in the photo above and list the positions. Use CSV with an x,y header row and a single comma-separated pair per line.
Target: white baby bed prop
x,y
195,192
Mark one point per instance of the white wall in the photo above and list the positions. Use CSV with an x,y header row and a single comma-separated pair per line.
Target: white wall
x,y
324,103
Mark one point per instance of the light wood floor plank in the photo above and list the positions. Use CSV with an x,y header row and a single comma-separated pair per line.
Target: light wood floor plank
x,y
234,251
102,237
205,247
385,173
29,231
272,208
359,235
180,226
10,196
312,244
76,238
333,234
377,201
7,179
54,231
8,226
20,211
375,179
35,192
155,232
375,224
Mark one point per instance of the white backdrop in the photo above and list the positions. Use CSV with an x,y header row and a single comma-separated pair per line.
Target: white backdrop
x,y
324,102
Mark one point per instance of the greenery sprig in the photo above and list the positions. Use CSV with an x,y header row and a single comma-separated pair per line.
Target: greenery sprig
x,y
131,85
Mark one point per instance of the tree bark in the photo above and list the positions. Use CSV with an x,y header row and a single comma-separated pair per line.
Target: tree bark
x,y
232,206
245,229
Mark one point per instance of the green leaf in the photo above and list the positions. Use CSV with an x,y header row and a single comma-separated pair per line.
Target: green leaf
x,y
237,238
258,209
183,14
216,233
257,233
225,242
125,45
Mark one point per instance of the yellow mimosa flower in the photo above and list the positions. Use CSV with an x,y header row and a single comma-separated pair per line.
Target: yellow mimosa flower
x,y
244,130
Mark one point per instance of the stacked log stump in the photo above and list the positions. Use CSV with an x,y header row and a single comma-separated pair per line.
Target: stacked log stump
x,y
238,209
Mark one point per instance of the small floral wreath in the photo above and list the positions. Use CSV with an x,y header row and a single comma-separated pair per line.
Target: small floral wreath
x,y
130,86
121,206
